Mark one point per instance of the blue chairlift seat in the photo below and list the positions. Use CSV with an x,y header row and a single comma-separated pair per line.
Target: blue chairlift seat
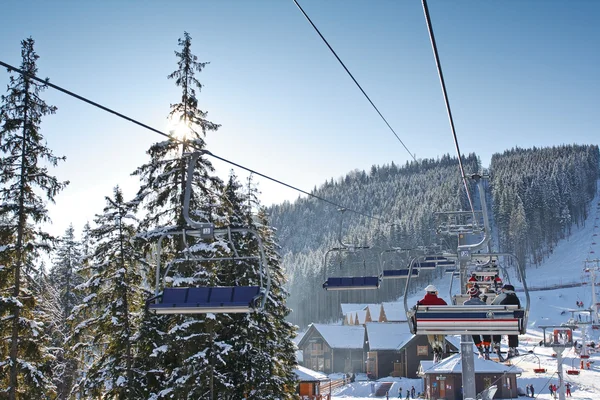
x,y
426,265
446,263
467,320
435,258
202,300
352,283
398,273
450,270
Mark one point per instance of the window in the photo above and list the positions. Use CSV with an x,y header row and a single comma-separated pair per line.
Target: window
x,y
422,350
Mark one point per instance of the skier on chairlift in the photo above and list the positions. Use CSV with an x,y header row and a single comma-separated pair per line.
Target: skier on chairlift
x,y
482,342
436,341
508,296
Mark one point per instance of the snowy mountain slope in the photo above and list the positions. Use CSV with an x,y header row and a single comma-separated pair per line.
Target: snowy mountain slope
x,y
549,305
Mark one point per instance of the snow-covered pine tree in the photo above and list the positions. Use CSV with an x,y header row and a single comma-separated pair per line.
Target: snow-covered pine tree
x,y
169,345
113,300
62,279
261,358
26,187
77,346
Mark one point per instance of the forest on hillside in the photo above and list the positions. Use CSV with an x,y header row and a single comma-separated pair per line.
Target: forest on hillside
x,y
536,196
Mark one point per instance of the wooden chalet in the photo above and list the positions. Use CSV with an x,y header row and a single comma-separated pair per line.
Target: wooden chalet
x,y
394,351
334,348
309,382
444,379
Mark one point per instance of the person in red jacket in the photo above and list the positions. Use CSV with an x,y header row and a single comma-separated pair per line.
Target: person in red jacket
x,y
436,341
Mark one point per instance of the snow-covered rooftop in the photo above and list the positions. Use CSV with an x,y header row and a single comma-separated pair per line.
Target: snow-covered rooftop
x,y
308,375
342,336
387,336
453,365
394,311
352,307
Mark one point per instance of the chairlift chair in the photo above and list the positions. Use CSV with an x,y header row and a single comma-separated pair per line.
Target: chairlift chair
x,y
458,319
349,282
573,370
209,299
422,264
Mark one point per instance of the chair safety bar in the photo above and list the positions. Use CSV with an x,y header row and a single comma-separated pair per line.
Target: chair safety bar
x,y
352,283
202,300
467,320
486,273
398,273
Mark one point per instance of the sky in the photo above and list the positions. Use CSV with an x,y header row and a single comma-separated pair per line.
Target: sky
x,y
518,73
547,308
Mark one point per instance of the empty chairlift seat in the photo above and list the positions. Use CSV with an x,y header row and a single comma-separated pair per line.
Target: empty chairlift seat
x,y
200,300
467,320
398,273
352,283
426,265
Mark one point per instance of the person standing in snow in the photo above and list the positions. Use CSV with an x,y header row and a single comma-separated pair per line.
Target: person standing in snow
x,y
532,390
412,392
508,296
568,387
436,341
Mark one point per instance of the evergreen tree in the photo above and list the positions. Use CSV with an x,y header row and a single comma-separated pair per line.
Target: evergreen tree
x,y
178,348
113,298
26,186
261,359
62,274
63,278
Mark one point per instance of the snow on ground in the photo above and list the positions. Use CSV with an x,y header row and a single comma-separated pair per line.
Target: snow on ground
x,y
547,307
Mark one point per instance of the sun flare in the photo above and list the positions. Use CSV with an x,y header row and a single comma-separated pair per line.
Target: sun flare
x,y
177,127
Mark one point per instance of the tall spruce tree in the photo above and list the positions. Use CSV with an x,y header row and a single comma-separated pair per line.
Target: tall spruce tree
x,y
112,302
26,187
63,278
172,346
262,357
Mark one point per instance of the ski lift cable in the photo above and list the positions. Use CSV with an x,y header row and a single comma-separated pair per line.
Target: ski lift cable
x,y
204,151
447,101
354,79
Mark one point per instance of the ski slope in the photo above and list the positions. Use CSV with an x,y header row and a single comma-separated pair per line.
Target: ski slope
x,y
549,305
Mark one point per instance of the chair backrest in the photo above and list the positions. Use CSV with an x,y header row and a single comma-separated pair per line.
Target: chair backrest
x,y
220,295
174,295
198,295
245,293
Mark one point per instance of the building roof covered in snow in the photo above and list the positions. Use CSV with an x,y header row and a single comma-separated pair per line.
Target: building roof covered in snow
x,y
393,311
308,375
387,336
453,365
338,336
352,307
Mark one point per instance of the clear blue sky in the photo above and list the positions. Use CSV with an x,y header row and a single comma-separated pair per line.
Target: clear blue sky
x,y
518,73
